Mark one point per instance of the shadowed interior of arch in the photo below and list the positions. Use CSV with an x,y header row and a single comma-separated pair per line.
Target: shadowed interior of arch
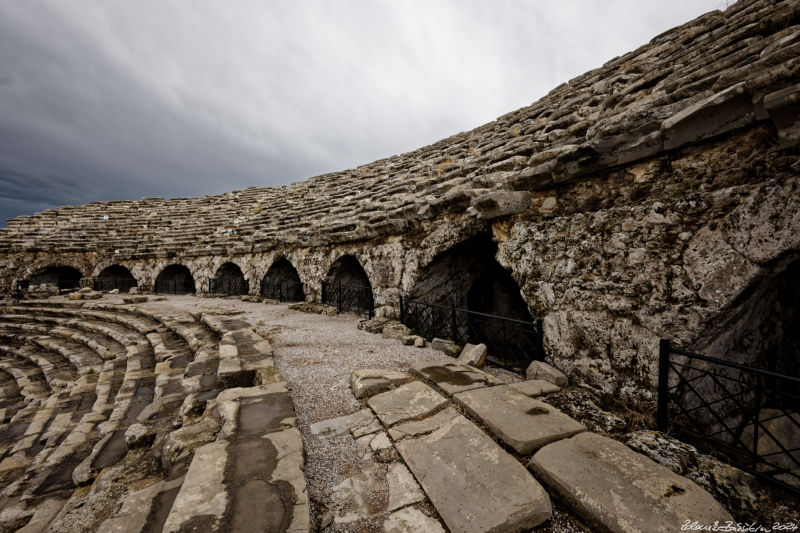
x,y
175,279
229,280
348,271
65,277
282,282
115,277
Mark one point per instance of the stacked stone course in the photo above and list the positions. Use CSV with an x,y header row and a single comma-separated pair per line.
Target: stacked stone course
x,y
638,201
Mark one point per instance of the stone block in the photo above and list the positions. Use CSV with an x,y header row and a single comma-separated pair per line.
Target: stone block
x,y
473,355
408,402
474,484
497,204
615,489
411,520
453,377
395,331
543,371
447,346
518,420
368,382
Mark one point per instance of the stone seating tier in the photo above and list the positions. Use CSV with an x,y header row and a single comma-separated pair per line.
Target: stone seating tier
x,y
719,72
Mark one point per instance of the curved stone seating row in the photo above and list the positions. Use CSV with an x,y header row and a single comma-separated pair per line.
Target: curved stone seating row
x,y
199,395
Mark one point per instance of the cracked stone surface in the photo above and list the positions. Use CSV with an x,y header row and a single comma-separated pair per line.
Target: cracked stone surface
x,y
408,402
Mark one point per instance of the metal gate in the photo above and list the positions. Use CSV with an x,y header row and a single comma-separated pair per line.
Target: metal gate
x,y
354,298
283,291
228,286
745,414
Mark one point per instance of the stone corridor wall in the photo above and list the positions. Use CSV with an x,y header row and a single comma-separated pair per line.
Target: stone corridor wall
x,y
645,199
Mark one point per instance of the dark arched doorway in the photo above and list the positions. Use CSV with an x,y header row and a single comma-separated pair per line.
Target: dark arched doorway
x,y
115,277
465,295
175,279
63,277
282,282
229,280
347,286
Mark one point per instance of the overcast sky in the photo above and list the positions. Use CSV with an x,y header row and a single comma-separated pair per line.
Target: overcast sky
x,y
122,99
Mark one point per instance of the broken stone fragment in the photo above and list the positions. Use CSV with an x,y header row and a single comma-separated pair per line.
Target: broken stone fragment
x,y
454,377
139,435
382,447
546,372
403,489
407,402
473,355
447,346
410,520
368,382
395,331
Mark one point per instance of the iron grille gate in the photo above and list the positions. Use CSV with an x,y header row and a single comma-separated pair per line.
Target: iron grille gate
x,y
228,286
354,298
283,291
511,343
175,286
109,284
745,414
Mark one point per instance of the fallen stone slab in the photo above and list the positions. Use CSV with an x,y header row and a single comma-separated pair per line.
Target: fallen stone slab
x,y
616,489
354,499
474,484
410,520
411,401
535,387
518,420
454,377
368,382
341,425
473,355
447,346
543,371
395,331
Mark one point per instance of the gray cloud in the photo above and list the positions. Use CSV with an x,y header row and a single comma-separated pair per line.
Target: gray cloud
x,y
121,100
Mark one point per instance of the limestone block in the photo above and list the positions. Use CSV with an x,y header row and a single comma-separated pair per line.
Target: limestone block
x,y
453,377
518,420
447,346
543,371
616,489
501,203
382,447
403,489
75,296
407,402
420,342
535,387
473,483
368,382
395,331
473,355
717,114
783,108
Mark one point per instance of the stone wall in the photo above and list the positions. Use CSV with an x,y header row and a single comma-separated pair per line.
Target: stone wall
x,y
646,199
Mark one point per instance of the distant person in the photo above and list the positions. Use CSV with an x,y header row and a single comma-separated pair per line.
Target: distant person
x,y
24,285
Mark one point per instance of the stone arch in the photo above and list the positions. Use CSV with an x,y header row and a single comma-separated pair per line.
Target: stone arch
x,y
115,277
175,279
282,282
62,276
347,270
348,286
229,280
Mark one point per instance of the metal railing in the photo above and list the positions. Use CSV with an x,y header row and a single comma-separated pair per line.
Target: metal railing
x,y
354,298
511,343
175,286
283,291
68,285
109,284
747,416
228,286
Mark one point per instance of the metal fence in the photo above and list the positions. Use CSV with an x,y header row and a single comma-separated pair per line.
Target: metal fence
x,y
283,291
511,343
175,286
109,284
228,286
748,416
68,285
354,298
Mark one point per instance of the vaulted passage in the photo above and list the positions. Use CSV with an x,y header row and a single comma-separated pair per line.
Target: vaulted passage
x,y
455,294
229,280
347,286
175,279
115,277
64,277
282,282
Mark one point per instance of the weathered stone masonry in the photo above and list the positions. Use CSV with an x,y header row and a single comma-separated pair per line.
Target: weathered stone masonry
x,y
654,197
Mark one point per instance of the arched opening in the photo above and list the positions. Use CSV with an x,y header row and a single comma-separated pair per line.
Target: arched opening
x,y
175,279
229,280
465,295
744,399
347,286
115,277
64,278
282,282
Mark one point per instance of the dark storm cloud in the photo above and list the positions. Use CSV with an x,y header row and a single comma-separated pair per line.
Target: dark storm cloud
x,y
120,100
